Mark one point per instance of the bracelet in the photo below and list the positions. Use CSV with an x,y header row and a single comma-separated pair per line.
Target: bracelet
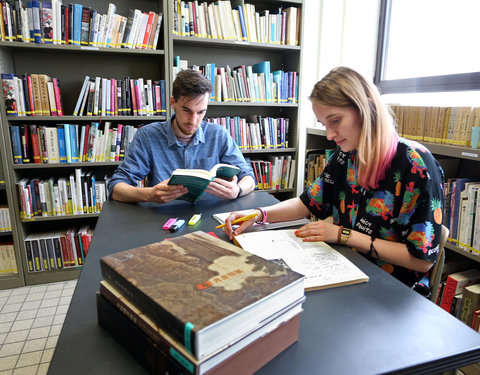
x,y
240,191
264,216
340,228
372,252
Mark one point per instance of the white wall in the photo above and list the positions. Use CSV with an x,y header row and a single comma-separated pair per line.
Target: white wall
x,y
335,32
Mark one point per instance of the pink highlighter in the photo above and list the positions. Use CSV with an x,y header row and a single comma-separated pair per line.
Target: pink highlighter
x,y
169,223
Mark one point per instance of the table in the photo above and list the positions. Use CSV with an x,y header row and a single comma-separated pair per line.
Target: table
x,y
377,327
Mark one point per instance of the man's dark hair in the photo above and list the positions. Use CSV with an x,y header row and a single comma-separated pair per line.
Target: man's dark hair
x,y
190,83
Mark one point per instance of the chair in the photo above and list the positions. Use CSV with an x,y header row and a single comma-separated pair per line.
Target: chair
x,y
437,269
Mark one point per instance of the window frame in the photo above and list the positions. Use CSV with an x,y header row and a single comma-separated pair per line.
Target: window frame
x,y
448,82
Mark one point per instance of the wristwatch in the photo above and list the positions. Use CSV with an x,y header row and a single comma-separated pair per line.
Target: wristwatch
x,y
345,234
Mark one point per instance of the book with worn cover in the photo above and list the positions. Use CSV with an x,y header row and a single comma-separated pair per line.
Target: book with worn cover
x,y
323,266
205,292
118,316
197,180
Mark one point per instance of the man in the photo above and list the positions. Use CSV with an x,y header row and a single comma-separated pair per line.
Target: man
x,y
186,142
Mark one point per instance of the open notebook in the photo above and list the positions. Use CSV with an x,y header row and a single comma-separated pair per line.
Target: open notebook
x,y
323,266
221,217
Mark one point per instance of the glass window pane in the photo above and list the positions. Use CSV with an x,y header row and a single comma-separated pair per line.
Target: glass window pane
x,y
433,37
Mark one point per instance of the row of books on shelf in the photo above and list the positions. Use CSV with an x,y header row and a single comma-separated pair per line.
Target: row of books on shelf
x,y
8,261
128,97
69,143
213,343
76,194
5,222
448,125
315,164
51,22
462,213
60,249
219,20
246,83
459,293
255,132
32,95
276,173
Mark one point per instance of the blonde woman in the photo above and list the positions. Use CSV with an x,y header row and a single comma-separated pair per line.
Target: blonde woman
x,y
383,192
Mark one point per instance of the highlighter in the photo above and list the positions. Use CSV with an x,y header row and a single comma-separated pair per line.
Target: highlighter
x,y
194,220
169,223
178,224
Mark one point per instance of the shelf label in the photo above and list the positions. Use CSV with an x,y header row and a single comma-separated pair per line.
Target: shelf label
x,y
469,154
87,47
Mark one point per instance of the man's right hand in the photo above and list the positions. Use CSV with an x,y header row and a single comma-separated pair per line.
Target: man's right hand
x,y
163,193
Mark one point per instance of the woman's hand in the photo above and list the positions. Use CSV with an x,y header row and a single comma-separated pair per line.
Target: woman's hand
x,y
318,231
228,229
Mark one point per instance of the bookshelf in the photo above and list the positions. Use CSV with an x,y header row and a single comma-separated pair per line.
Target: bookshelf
x,y
70,64
201,51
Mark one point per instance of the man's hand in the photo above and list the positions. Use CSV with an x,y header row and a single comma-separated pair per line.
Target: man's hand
x,y
163,193
223,188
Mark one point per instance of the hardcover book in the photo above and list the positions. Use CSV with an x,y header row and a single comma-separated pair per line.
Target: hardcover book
x,y
197,180
132,328
205,292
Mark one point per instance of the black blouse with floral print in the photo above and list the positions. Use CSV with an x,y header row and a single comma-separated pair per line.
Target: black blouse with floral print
x,y
407,207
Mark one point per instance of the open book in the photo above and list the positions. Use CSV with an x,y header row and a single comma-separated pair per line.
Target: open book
x,y
222,216
197,180
323,266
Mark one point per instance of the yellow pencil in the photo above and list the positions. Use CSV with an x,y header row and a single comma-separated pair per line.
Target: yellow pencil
x,y
239,220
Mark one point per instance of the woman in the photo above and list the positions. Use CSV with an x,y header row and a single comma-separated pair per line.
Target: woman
x,y
383,192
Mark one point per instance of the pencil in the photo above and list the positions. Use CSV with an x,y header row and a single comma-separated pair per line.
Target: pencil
x,y
244,218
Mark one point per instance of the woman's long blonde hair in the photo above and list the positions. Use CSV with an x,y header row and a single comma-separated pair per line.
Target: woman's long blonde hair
x,y
344,87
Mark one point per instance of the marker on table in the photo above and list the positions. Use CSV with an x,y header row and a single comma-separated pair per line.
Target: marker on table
x,y
178,224
194,220
239,220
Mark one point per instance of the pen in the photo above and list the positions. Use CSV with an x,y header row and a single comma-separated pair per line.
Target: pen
x,y
169,223
178,224
239,220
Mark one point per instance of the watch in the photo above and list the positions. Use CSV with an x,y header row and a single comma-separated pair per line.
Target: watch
x,y
345,234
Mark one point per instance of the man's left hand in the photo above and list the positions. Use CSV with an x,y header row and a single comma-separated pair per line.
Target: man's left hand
x,y
223,188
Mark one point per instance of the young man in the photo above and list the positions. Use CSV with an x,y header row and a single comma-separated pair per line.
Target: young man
x,y
185,141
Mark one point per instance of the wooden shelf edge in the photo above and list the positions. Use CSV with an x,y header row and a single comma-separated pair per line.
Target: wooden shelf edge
x,y
66,165
59,217
232,43
34,278
81,49
463,252
62,119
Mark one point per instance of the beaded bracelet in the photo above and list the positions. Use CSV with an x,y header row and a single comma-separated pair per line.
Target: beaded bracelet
x,y
264,218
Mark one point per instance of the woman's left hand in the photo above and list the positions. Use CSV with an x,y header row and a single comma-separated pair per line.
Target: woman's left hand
x,y
318,231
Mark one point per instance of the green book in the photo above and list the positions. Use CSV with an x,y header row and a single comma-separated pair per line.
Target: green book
x,y
197,180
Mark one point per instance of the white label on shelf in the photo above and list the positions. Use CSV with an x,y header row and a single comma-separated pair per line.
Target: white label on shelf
x,y
470,154
85,47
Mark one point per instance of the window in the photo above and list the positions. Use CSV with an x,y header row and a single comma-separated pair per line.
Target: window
x,y
428,46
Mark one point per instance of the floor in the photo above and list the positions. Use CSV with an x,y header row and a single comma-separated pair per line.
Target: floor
x,y
31,319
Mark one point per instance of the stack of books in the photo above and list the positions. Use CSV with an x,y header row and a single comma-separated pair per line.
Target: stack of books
x,y
197,304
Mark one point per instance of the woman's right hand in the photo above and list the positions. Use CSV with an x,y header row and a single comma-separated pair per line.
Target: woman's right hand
x,y
228,229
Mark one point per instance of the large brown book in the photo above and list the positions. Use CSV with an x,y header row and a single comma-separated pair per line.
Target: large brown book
x,y
205,292
172,354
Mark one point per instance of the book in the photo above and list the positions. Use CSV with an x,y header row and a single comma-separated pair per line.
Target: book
x,y
197,180
173,280
122,318
323,266
471,302
222,216
456,283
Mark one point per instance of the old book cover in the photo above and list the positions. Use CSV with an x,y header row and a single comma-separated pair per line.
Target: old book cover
x,y
205,292
268,338
471,302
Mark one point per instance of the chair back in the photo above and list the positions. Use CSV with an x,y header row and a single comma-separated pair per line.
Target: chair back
x,y
437,269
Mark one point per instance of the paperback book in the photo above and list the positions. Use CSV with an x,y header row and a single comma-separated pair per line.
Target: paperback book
x,y
197,180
